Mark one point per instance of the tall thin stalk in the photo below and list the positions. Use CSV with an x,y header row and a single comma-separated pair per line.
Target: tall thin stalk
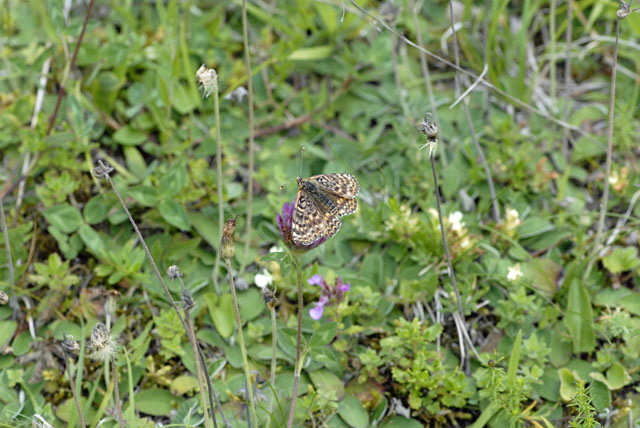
x,y
472,129
104,171
567,80
298,366
621,14
243,349
7,244
247,60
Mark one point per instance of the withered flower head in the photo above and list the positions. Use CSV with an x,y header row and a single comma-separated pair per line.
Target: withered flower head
x,y
227,248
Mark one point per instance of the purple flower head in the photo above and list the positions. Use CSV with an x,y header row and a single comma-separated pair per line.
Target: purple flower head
x,y
285,219
316,312
330,294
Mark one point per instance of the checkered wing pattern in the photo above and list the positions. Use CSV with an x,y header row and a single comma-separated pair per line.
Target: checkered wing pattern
x,y
311,221
319,205
344,185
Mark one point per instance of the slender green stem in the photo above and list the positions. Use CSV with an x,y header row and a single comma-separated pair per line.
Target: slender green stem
x,y
607,173
216,104
74,392
7,244
202,373
298,366
247,60
116,392
274,350
243,349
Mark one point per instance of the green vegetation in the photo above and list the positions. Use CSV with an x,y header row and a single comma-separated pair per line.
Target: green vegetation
x,y
537,171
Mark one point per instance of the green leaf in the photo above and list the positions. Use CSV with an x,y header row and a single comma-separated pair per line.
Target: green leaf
x,y
324,334
184,384
174,214
578,318
221,312
145,195
93,240
7,330
324,380
97,209
353,413
568,384
129,136
64,217
135,161
311,54
601,395
543,274
402,422
617,377
156,402
184,100
534,226
621,260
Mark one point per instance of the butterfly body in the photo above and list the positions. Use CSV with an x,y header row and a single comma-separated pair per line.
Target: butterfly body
x,y
320,202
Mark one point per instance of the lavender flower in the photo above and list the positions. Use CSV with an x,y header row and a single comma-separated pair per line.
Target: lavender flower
x,y
330,293
285,218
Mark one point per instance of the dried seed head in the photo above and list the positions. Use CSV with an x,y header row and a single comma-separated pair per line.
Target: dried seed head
x,y
428,127
4,298
174,272
102,170
227,248
187,300
208,79
70,345
269,298
102,344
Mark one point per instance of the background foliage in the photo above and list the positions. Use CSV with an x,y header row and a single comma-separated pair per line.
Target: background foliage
x,y
547,309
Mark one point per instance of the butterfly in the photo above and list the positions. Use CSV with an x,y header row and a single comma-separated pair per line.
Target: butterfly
x,y
320,202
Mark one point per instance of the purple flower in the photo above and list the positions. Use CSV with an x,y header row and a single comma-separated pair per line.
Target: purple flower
x,y
330,294
285,218
316,313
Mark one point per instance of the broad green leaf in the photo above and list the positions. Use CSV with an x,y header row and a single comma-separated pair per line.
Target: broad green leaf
x,y
7,330
64,217
324,334
184,384
129,136
97,209
184,100
534,226
578,318
135,161
156,401
353,413
145,195
601,395
568,386
324,380
621,260
93,240
174,214
221,312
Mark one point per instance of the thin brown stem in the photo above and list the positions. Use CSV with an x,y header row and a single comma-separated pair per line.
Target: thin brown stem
x,y
298,366
274,352
216,103
243,349
52,120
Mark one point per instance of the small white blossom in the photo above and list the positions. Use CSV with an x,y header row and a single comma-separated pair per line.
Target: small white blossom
x,y
512,219
276,249
208,79
514,272
263,279
455,219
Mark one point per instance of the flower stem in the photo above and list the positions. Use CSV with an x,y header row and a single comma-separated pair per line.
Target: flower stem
x,y
243,349
117,392
298,367
274,350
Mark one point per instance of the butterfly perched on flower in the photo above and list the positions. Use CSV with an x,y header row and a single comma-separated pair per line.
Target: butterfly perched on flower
x,y
320,202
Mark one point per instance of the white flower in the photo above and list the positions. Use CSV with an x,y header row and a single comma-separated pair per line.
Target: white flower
x,y
208,79
263,279
276,249
514,272
455,219
512,219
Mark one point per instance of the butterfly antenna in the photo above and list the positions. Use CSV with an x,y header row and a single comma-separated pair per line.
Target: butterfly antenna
x,y
301,158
